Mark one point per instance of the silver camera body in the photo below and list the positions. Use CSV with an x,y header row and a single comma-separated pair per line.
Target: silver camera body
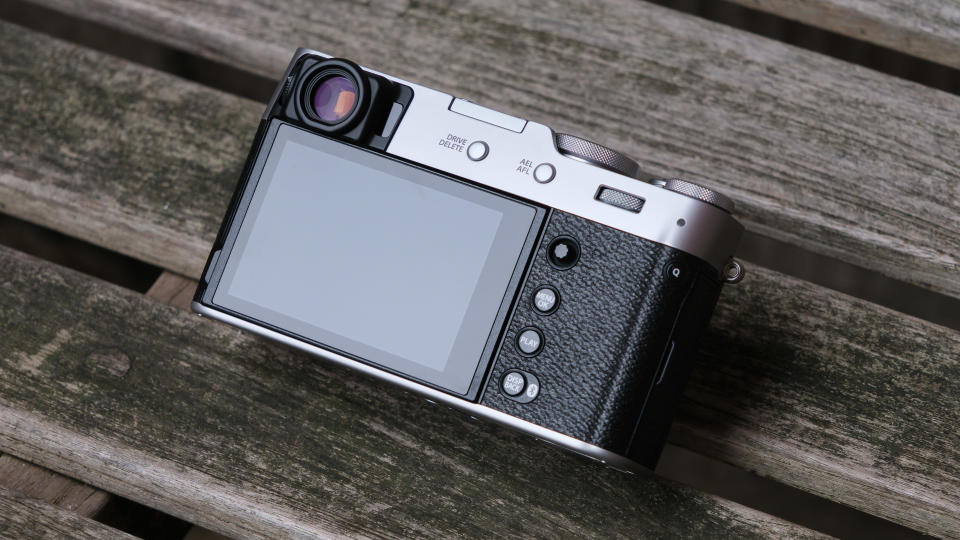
x,y
584,327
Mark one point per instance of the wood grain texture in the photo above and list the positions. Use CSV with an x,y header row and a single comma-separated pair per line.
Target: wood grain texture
x,y
47,486
114,154
827,155
173,289
833,395
929,29
177,291
24,517
251,439
803,343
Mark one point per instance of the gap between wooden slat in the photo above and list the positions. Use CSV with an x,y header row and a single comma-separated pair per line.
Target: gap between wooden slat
x,y
44,485
173,289
22,516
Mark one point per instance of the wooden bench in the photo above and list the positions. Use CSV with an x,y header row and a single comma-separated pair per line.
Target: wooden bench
x,y
928,30
801,384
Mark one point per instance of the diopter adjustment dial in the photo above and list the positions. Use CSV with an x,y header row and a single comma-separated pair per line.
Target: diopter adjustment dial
x,y
595,154
696,191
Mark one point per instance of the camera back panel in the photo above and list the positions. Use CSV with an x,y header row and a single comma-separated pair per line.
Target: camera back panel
x,y
467,255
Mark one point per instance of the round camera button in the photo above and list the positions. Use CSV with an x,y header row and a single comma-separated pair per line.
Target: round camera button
x,y
675,272
530,341
545,172
520,386
478,150
513,383
545,300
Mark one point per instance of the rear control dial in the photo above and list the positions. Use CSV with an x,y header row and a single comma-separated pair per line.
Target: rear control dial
x,y
563,252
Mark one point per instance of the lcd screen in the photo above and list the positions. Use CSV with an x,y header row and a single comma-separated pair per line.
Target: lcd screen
x,y
381,260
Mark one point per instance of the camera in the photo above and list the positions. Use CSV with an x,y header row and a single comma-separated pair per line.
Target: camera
x,y
523,276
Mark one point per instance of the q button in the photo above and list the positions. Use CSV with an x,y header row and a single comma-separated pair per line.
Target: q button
x,y
675,272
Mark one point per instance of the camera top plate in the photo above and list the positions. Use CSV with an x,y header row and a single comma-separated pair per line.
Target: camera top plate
x,y
528,164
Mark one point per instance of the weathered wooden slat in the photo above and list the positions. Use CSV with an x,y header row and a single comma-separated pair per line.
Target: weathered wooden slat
x,y
74,120
929,29
830,156
834,395
104,195
50,487
251,439
177,291
173,289
23,517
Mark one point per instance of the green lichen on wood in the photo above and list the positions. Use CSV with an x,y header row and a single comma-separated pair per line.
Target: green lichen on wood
x,y
153,148
350,455
830,156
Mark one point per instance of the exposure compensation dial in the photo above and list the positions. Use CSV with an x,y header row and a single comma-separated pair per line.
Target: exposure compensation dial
x,y
601,156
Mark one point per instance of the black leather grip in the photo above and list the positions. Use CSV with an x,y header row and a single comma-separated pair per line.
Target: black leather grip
x,y
605,347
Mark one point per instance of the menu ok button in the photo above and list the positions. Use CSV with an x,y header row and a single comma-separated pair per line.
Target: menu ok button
x,y
545,300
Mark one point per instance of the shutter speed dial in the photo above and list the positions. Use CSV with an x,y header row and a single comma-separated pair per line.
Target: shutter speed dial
x,y
601,156
594,154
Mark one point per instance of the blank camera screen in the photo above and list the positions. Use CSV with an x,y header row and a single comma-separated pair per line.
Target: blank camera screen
x,y
380,260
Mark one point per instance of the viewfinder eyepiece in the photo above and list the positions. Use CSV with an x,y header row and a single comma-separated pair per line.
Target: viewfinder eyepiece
x,y
333,95
334,98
